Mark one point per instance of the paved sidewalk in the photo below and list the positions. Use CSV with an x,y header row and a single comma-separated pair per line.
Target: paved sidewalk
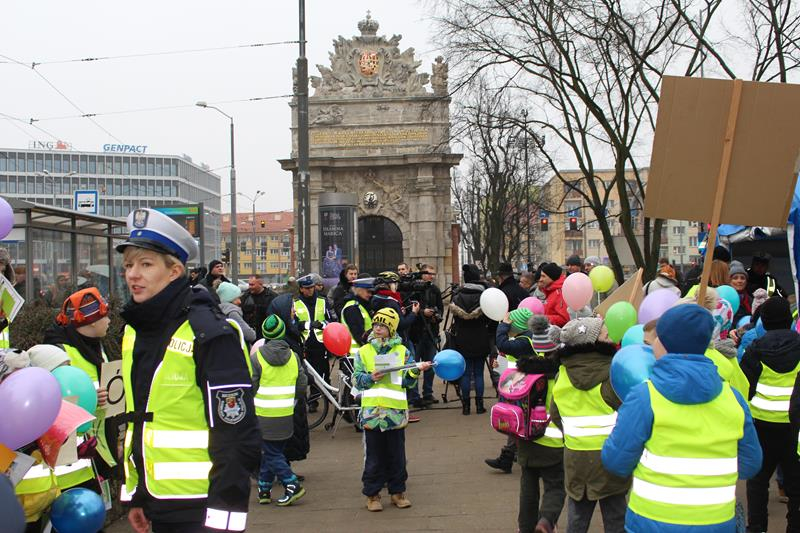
x,y
449,485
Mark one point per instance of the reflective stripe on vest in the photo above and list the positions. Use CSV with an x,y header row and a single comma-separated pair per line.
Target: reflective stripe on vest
x,y
225,520
40,478
586,418
773,391
243,343
275,394
687,473
175,443
384,393
354,344
5,341
771,286
302,314
68,476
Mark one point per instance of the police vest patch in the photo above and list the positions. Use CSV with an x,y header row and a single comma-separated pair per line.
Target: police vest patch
x,y
230,406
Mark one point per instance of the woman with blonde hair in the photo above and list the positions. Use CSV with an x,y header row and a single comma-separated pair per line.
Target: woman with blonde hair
x,y
720,274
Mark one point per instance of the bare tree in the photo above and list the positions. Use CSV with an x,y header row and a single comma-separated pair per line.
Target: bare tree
x,y
495,194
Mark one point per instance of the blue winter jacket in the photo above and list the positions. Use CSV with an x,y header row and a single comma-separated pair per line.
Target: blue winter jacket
x,y
749,336
683,379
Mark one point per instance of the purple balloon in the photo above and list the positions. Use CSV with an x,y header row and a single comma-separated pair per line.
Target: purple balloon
x,y
30,399
655,304
6,218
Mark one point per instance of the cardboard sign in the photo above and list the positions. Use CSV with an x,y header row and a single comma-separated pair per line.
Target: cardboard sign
x,y
631,291
19,467
111,380
10,300
68,453
697,119
69,418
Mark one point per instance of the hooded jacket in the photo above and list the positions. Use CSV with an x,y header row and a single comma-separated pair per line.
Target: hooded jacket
x,y
338,293
587,365
555,308
687,380
282,306
234,312
470,330
779,349
277,353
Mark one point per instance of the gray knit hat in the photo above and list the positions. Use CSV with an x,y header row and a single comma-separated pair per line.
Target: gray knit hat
x,y
581,331
545,338
737,268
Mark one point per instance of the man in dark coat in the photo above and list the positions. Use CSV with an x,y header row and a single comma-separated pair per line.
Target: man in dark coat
x,y
510,286
255,302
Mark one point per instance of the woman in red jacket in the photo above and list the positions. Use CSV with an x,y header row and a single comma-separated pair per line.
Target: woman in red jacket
x,y
550,281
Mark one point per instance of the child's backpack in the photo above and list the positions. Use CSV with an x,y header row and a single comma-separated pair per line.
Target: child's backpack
x,y
521,411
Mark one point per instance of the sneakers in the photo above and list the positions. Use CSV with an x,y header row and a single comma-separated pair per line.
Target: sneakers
x,y
264,496
544,526
374,503
413,418
400,501
293,492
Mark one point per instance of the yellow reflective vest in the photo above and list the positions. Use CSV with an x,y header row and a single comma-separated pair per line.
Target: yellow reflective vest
x,y
276,389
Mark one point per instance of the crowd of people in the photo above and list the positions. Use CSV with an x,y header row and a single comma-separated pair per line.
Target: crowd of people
x,y
216,381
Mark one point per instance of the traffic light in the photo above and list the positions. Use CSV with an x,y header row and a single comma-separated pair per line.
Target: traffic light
x,y
543,224
226,256
263,224
573,224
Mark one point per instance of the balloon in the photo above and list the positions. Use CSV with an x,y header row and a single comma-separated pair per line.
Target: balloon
x,y
577,291
6,218
619,318
30,399
78,511
10,509
449,365
76,382
629,367
602,278
336,338
533,304
745,320
256,345
494,304
656,304
634,335
729,294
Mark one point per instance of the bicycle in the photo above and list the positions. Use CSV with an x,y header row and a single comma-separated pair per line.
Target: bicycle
x,y
341,397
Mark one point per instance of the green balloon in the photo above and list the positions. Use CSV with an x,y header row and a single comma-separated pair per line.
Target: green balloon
x,y
602,278
620,317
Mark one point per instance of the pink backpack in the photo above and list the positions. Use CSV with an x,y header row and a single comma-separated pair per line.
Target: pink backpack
x,y
521,411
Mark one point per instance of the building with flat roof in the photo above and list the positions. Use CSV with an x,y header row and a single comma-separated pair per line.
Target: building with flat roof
x,y
269,235
124,176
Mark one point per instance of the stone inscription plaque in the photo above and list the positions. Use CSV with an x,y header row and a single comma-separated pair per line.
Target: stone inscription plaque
x,y
369,137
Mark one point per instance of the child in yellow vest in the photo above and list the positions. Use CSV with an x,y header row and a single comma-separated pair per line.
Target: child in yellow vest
x,y
384,409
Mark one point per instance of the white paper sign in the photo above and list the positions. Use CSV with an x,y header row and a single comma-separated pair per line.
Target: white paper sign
x,y
111,380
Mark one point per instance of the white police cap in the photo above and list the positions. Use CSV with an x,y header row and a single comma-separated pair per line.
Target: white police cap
x,y
307,280
153,230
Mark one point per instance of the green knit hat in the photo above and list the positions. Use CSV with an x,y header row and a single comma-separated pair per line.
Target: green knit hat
x,y
519,318
273,327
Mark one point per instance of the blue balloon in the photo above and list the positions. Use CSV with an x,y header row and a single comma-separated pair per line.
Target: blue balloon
x,y
78,511
630,366
634,335
745,320
728,293
449,365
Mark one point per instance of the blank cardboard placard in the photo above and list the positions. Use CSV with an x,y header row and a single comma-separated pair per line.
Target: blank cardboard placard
x,y
688,145
632,291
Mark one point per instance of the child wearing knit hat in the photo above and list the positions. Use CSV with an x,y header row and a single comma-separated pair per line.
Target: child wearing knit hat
x,y
230,298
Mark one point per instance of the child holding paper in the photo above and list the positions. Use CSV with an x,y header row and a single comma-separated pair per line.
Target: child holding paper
x,y
384,409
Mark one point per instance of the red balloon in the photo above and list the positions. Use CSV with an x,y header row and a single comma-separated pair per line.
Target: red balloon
x,y
337,339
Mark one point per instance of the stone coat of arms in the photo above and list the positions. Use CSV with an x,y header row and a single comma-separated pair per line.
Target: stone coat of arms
x,y
368,63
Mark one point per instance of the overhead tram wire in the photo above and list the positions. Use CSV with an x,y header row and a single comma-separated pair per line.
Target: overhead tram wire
x,y
13,120
68,99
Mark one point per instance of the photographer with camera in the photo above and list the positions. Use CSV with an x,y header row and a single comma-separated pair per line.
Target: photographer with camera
x,y
425,331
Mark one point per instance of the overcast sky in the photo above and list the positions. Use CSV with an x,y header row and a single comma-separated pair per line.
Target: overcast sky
x,y
50,30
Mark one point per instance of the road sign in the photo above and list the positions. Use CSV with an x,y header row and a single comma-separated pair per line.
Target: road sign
x,y
86,202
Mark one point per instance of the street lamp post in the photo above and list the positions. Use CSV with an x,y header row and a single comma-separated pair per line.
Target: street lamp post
x,y
527,192
254,199
234,224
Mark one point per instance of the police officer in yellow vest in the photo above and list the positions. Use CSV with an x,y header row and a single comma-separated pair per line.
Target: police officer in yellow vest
x,y
192,439
355,312
312,311
280,379
685,435
384,409
584,406
80,327
771,365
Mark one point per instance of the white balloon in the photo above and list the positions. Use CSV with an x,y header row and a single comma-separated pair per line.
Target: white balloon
x,y
494,304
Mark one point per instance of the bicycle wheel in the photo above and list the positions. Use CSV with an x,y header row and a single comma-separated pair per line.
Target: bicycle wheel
x,y
318,403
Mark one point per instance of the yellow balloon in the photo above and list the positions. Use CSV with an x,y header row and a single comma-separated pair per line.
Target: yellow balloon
x,y
602,278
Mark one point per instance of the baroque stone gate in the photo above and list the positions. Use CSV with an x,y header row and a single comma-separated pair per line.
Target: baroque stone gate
x,y
377,132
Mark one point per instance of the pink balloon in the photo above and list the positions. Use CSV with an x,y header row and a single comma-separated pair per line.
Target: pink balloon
x,y
577,290
656,304
256,345
30,399
533,304
6,218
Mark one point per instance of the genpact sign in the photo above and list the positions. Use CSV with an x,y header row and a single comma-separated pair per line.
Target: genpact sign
x,y
125,148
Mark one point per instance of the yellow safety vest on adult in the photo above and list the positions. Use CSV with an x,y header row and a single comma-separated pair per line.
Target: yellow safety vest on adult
x,y
302,314
192,439
366,322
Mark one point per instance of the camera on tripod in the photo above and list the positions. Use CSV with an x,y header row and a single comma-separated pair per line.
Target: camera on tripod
x,y
410,283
